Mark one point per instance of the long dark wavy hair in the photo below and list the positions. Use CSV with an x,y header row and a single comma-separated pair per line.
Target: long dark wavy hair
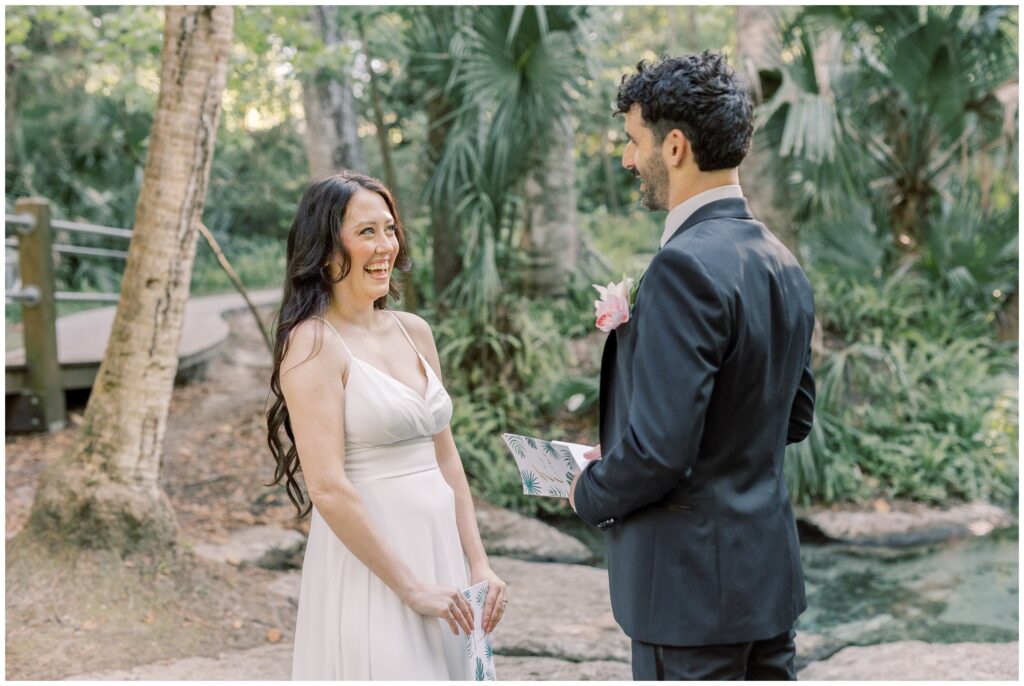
x,y
315,238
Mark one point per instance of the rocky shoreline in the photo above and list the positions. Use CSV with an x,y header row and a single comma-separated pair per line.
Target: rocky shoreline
x,y
902,524
559,624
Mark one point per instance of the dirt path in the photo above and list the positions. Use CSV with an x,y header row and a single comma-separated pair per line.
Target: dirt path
x,y
214,468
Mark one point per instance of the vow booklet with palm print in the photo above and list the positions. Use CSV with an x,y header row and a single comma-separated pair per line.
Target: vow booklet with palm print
x,y
478,644
546,467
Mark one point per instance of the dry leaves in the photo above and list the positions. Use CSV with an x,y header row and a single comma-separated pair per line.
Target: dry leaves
x,y
273,635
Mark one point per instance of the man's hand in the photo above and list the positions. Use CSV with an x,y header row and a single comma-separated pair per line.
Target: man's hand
x,y
593,455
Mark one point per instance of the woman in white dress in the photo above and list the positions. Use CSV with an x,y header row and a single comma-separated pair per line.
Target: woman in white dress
x,y
358,395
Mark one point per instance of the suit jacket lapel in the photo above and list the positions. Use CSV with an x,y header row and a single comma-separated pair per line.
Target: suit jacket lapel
x,y
607,371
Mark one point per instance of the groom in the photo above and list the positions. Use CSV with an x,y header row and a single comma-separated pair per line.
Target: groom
x,y
701,390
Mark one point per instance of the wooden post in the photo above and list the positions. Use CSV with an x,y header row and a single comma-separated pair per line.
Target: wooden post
x,y
35,252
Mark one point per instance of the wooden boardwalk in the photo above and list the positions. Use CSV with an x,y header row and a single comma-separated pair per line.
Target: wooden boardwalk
x,y
82,339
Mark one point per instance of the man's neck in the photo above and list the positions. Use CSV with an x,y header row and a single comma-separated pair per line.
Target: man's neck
x,y
684,187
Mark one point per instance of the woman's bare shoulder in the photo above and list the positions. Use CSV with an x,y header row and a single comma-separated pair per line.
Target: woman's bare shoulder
x,y
417,327
311,340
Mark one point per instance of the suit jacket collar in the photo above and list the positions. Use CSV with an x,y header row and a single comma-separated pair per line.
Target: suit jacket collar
x,y
733,208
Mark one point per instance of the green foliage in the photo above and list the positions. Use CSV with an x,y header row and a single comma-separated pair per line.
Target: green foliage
x,y
259,263
501,375
916,402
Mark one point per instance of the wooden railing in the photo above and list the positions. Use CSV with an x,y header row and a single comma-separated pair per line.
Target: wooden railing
x,y
34,287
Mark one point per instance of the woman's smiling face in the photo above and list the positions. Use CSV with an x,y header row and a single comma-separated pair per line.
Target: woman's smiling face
x,y
370,236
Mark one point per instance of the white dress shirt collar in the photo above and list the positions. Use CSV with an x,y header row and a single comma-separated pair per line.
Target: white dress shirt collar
x,y
681,212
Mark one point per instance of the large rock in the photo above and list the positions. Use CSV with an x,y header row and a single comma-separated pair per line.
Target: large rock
x,y
908,524
258,545
553,669
914,660
510,534
558,610
266,663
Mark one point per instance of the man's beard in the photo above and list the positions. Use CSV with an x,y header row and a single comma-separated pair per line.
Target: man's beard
x,y
655,187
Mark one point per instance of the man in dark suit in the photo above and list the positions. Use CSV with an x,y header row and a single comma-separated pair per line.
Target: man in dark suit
x,y
701,390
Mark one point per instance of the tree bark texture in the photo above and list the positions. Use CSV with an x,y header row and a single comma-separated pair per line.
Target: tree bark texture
x,y
754,26
104,491
552,237
444,226
332,125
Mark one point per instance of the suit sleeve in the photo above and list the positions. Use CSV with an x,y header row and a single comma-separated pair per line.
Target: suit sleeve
x,y
801,416
683,331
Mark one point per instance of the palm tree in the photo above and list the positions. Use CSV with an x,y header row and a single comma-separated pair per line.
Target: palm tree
x,y
104,492
498,84
905,104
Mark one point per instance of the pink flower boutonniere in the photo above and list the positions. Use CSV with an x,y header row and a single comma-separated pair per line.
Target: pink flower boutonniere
x,y
613,309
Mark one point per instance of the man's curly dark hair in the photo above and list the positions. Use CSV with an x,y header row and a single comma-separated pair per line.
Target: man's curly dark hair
x,y
701,96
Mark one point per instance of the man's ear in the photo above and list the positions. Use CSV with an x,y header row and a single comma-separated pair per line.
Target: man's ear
x,y
675,148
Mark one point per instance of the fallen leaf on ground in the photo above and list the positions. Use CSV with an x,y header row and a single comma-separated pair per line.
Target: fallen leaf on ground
x,y
150,618
882,506
237,624
89,625
273,635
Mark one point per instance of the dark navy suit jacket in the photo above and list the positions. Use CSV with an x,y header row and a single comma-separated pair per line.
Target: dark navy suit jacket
x,y
701,391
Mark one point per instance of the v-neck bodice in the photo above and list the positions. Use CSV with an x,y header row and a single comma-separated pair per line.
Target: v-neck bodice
x,y
381,411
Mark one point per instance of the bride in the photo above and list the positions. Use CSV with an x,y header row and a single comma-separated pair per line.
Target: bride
x,y
365,419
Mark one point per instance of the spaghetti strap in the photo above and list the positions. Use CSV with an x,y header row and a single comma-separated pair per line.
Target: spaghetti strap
x,y
331,327
404,332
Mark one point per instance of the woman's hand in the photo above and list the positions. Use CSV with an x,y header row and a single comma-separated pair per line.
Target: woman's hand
x,y
445,602
494,606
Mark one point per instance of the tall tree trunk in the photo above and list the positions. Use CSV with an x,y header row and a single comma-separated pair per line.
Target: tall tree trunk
x,y
378,118
444,226
552,237
755,25
332,126
103,493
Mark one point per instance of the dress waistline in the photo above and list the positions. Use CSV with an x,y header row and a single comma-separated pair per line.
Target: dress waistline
x,y
390,461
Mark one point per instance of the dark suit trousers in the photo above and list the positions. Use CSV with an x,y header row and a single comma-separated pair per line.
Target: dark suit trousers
x,y
767,660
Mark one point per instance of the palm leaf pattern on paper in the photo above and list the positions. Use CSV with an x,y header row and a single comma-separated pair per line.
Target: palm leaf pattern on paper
x,y
557,492
531,485
570,476
480,674
487,647
470,647
567,456
481,595
516,444
532,443
549,449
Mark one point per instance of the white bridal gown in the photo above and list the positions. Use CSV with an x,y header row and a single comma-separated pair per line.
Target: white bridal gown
x,y
350,625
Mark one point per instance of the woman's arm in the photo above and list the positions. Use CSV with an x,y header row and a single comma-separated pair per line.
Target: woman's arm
x,y
312,381
450,464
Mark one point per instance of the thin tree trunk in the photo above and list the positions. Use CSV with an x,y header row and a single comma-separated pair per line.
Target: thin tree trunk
x,y
692,39
444,227
755,25
104,491
319,138
410,298
236,281
552,237
378,118
611,191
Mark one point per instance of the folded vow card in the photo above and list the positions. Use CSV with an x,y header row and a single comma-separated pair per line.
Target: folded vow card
x,y
546,467
478,644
